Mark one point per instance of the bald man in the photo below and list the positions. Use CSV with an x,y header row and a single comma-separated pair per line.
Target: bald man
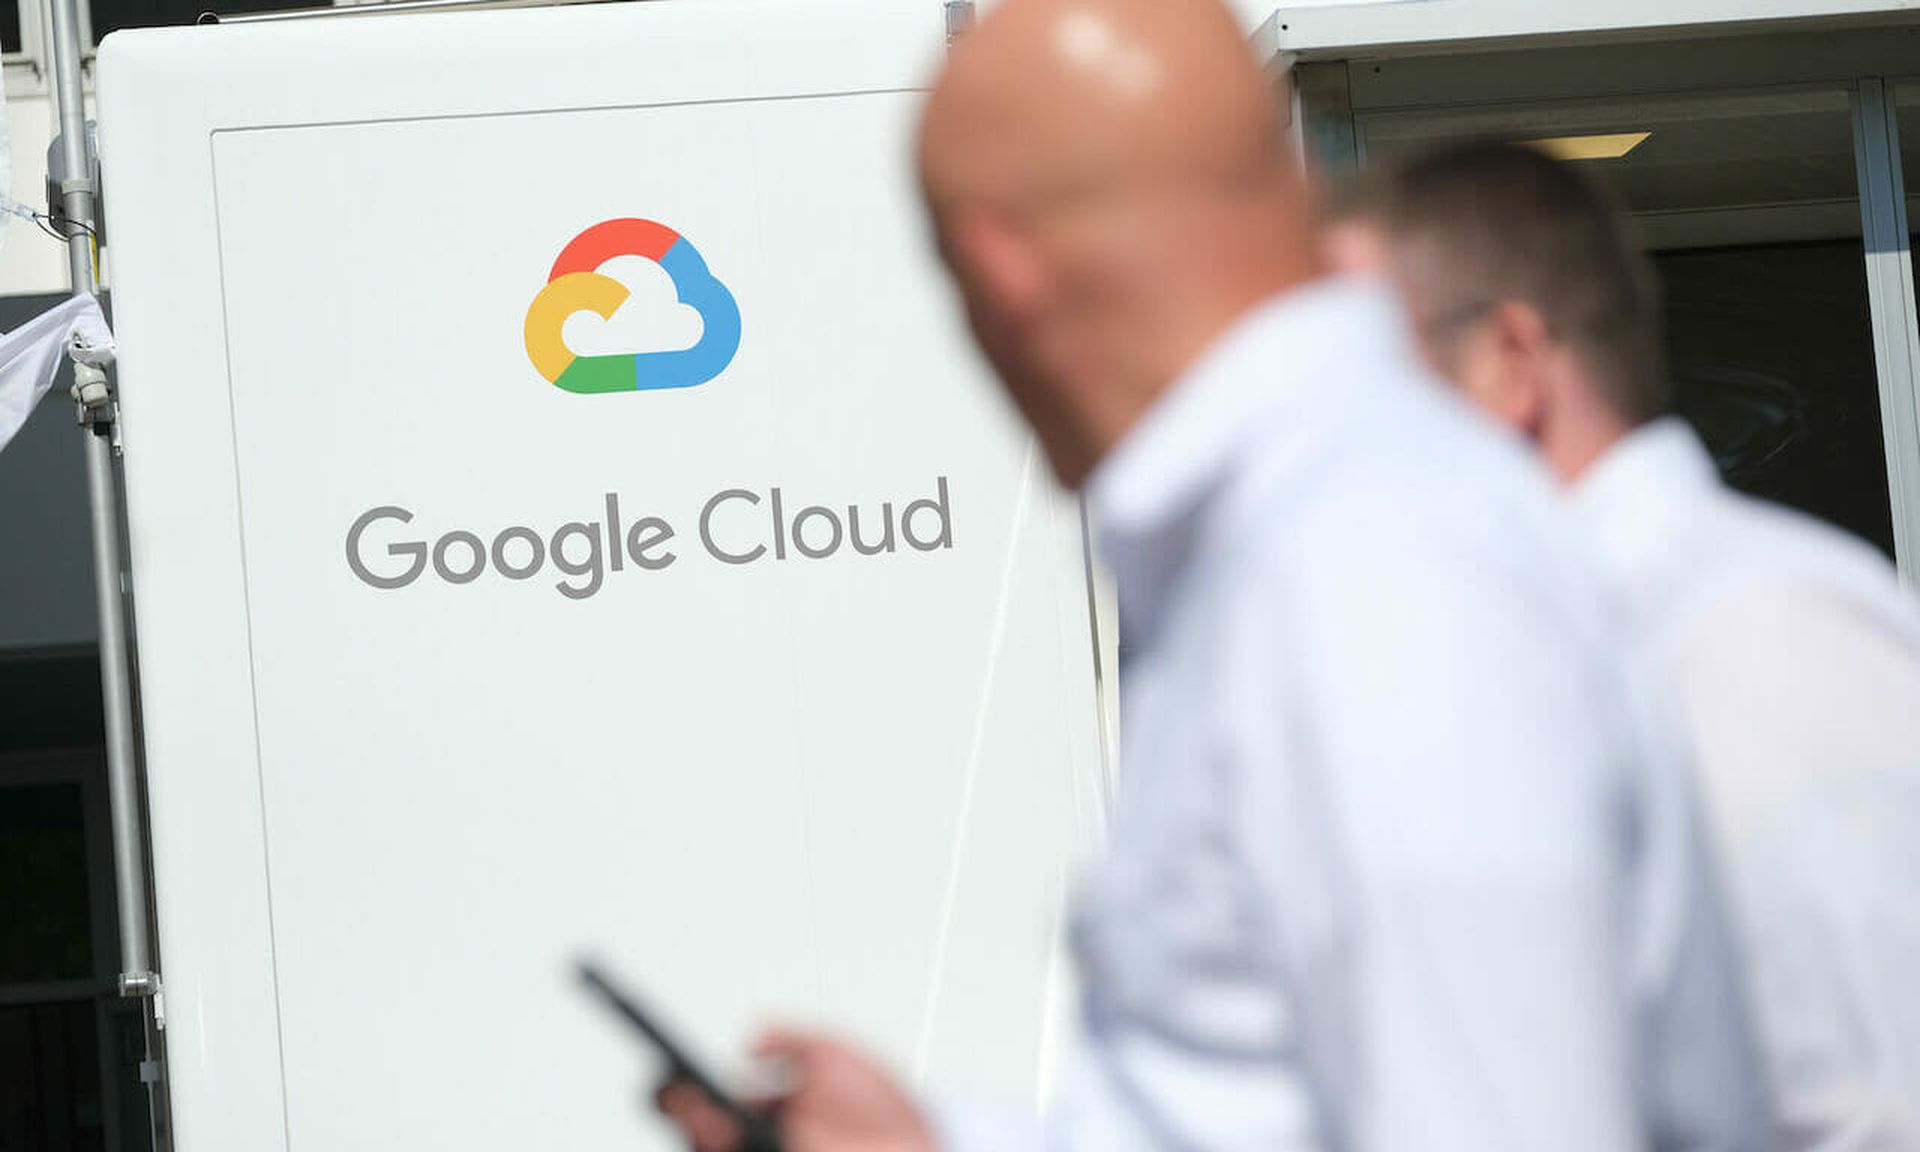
x,y
1395,861
1791,651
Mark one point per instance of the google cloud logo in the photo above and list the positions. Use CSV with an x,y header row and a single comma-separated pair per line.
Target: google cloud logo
x,y
587,278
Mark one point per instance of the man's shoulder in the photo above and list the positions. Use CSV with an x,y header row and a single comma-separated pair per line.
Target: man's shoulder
x,y
1421,537
1414,479
1735,554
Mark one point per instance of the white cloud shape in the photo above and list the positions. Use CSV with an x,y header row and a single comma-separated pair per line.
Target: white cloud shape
x,y
651,320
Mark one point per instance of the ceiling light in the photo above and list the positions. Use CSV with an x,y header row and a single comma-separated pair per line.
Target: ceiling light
x,y
1607,146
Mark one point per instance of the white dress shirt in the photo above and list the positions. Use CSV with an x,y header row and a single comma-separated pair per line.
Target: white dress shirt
x,y
1794,658
1391,866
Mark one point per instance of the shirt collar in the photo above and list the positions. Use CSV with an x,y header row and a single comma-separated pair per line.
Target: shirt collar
x,y
1646,466
1629,498
1289,355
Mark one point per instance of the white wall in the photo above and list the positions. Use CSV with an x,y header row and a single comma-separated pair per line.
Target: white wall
x,y
1253,12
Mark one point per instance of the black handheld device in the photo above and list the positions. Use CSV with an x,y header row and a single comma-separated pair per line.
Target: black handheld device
x,y
756,1128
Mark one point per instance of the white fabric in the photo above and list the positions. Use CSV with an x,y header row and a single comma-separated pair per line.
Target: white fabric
x,y
1392,866
30,356
1794,656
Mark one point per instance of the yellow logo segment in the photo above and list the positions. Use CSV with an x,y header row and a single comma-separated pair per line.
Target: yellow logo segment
x,y
561,298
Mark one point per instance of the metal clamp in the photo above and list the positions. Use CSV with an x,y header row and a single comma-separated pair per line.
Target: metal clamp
x,y
137,984
92,392
146,986
91,388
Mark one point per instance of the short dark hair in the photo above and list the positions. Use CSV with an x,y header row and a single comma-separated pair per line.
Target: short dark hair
x,y
1489,221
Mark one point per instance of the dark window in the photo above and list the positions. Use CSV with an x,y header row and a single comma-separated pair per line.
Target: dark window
x,y
43,885
112,15
50,1062
1771,353
1750,205
54,1058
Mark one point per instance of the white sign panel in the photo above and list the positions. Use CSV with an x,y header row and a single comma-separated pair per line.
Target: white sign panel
x,y
566,514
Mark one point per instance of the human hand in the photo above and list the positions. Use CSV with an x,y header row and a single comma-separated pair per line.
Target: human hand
x,y
841,1101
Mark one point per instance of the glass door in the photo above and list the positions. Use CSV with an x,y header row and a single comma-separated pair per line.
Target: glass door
x,y
1749,205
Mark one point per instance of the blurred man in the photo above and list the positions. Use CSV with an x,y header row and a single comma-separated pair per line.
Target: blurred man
x,y
1791,651
1391,866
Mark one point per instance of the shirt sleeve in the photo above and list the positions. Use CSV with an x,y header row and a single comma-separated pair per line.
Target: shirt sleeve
x,y
1789,684
1804,706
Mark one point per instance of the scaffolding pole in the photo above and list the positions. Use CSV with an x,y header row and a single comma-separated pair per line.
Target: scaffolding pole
x,y
99,415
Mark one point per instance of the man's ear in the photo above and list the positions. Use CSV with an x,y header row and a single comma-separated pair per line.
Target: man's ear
x,y
1002,268
1523,349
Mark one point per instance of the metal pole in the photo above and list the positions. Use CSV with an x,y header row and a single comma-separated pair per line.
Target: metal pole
x,y
98,415
1896,351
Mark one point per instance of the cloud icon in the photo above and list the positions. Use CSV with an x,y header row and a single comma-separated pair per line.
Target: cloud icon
x,y
606,323
652,319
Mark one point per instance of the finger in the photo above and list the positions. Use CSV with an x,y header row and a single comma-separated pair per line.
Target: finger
x,y
671,1096
707,1126
711,1130
678,1097
789,1045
